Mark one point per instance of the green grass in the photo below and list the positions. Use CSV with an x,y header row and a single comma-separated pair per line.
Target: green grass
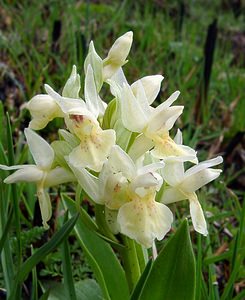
x,y
30,58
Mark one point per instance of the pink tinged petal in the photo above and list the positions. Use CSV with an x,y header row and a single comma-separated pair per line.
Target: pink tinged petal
x,y
199,179
197,216
93,151
178,137
90,92
25,174
140,146
111,220
73,85
88,182
171,195
41,151
133,115
58,176
120,162
45,206
82,126
145,221
151,85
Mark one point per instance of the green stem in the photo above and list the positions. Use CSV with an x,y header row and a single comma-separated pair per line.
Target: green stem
x,y
130,262
142,255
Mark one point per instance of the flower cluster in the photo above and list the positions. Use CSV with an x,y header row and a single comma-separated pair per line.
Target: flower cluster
x,y
120,153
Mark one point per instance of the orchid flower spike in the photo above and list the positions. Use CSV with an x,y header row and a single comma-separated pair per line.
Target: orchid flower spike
x,y
128,194
184,184
42,173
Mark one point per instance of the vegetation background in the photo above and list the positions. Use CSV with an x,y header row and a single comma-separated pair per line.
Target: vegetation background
x,y
199,47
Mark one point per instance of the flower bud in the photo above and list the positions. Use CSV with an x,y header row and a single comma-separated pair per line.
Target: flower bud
x,y
117,55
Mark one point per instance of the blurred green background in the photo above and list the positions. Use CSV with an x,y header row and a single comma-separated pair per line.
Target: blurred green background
x,y
198,46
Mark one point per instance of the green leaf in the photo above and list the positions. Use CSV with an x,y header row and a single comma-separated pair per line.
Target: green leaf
x,y
110,115
137,290
67,268
173,273
86,289
103,261
52,244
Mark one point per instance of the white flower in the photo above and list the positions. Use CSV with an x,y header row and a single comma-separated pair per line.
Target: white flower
x,y
43,109
152,124
184,184
81,119
131,191
41,173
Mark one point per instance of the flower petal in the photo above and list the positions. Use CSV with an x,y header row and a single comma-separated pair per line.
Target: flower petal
x,y
45,206
168,102
173,172
140,146
88,182
164,119
171,195
41,151
96,62
69,105
167,149
90,92
204,165
73,85
197,216
142,99
58,176
43,109
25,174
178,137
120,162
146,181
144,221
151,85
199,179
118,78
93,151
133,115
151,168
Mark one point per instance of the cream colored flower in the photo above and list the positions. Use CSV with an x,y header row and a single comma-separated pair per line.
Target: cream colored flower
x,y
130,191
42,173
81,119
184,184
